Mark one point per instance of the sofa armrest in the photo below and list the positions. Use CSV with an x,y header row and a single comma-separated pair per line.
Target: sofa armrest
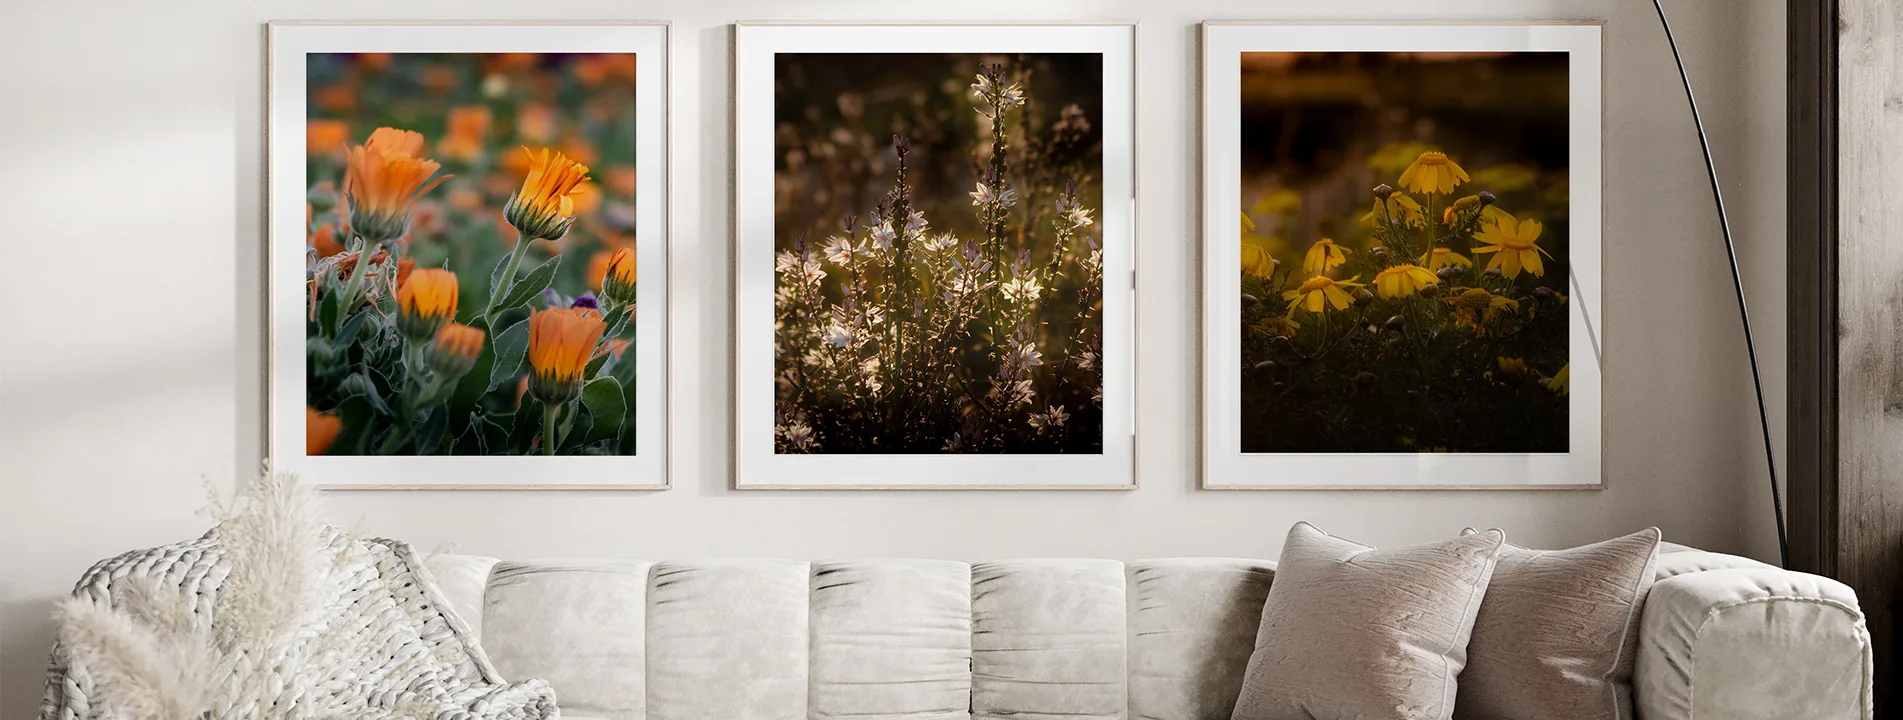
x,y
1725,637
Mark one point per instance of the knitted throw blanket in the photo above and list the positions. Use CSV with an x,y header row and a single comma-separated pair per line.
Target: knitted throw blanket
x,y
386,644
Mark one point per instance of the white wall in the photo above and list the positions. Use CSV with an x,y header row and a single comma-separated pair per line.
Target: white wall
x,y
130,306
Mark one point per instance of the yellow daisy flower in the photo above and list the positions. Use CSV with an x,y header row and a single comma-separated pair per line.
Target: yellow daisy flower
x,y
1562,381
1402,281
1513,243
1433,172
1276,327
1319,292
1441,257
1397,208
1324,256
1256,261
1247,224
1459,209
1475,307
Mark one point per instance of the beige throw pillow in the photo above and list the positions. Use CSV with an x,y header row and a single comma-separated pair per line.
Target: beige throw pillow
x,y
1557,632
1354,633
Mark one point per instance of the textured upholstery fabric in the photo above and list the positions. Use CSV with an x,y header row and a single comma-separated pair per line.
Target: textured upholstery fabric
x,y
891,639
1557,632
1192,628
1752,643
1350,632
1047,639
579,625
727,639
1041,638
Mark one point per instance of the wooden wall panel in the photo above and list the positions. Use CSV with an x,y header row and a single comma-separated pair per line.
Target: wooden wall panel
x,y
1870,316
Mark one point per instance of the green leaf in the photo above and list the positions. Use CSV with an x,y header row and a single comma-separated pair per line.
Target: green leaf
x,y
511,345
327,309
530,286
360,422
493,432
360,385
594,366
626,444
527,424
575,434
605,402
429,433
473,384
347,334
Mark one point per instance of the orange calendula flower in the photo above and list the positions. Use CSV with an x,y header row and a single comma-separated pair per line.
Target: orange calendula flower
x,y
545,206
620,179
1475,307
324,241
320,430
617,346
617,283
1433,172
325,137
426,302
403,269
1402,281
1324,256
1256,261
1319,292
465,133
1441,257
384,177
561,342
455,349
1512,241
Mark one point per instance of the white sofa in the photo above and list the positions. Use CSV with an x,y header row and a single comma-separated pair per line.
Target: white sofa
x,y
1722,638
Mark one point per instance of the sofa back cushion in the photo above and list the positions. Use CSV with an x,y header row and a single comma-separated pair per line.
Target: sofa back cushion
x,y
910,639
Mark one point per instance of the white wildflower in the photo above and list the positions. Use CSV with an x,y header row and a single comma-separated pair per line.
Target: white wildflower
x,y
839,250
837,335
1022,289
798,435
882,236
1052,417
1086,360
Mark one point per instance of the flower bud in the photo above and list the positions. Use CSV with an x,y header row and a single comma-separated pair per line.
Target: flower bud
x,y
1265,366
1365,382
1362,295
1542,293
1396,322
1429,290
455,349
1448,273
1493,272
1487,197
1249,301
1379,252
617,284
1383,191
322,197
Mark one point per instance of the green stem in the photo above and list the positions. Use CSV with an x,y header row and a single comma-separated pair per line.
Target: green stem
x,y
395,440
352,285
501,286
548,428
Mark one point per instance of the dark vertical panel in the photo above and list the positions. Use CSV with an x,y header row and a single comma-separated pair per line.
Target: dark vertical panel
x,y
1811,437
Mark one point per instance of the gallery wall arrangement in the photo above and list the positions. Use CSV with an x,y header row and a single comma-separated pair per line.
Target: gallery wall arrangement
x,y
934,242
457,215
1402,256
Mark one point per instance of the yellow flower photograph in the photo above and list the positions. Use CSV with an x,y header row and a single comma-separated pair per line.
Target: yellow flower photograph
x,y
470,230
1404,252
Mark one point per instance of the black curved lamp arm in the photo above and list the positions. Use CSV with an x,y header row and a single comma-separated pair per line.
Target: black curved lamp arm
x,y
1737,283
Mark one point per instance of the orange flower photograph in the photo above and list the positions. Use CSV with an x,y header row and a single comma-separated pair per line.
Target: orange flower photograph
x,y
470,284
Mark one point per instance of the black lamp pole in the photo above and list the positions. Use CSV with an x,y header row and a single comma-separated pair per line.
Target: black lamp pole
x,y
1737,284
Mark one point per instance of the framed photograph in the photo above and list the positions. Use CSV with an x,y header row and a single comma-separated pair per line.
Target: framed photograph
x,y
457,213
934,237
1402,228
